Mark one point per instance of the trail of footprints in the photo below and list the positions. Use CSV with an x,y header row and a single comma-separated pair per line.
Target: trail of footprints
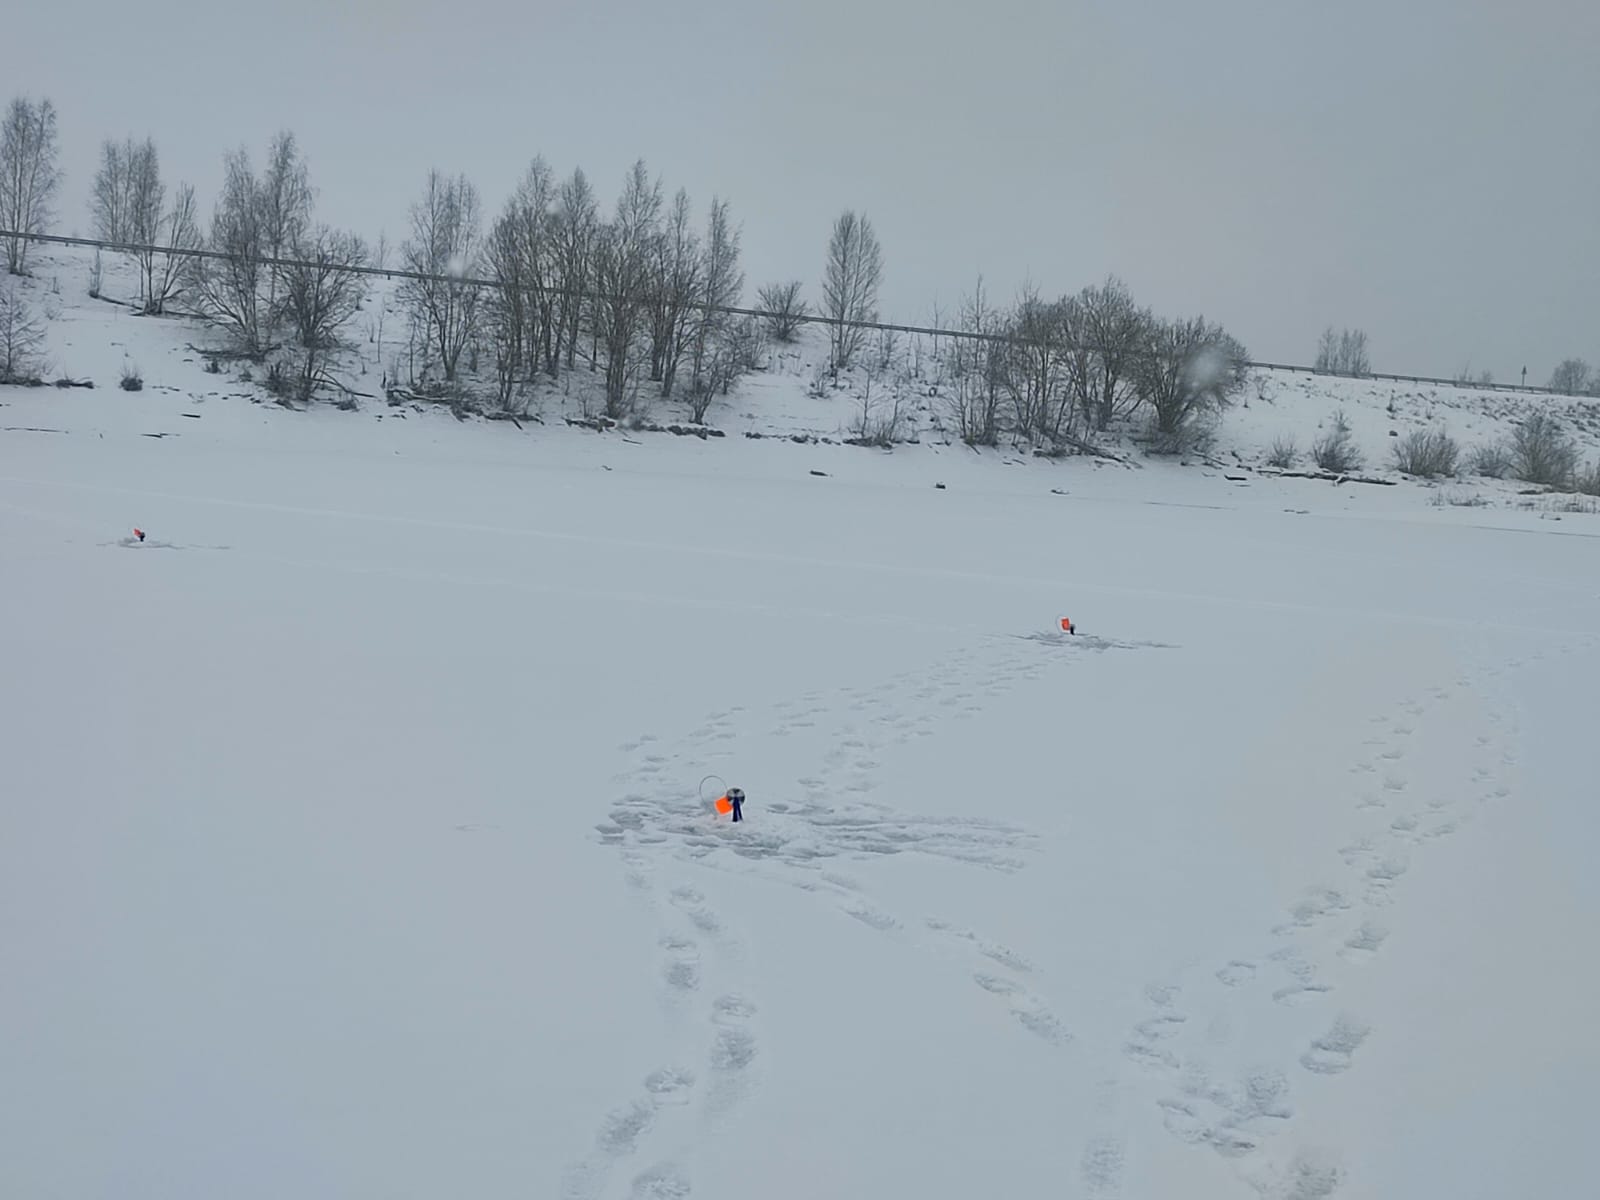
x,y
833,818
1330,927
659,825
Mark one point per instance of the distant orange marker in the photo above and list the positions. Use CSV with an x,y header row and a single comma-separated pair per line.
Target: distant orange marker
x,y
724,805
138,533
1067,626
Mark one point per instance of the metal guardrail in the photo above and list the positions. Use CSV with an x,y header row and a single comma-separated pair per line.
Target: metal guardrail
x,y
1458,383
734,310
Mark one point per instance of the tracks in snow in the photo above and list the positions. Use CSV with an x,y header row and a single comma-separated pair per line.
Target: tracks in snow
x,y
1285,982
672,851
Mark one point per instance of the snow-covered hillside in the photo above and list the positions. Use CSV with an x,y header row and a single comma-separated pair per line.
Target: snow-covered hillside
x,y
356,836
791,397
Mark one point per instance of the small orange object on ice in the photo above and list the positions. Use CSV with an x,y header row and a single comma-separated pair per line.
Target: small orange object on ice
x,y
731,801
1067,626
138,533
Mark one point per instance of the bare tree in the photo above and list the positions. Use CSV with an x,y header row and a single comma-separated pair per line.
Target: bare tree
x,y
143,213
675,288
850,285
975,369
733,352
21,338
536,242
1114,328
1189,368
172,274
230,287
878,421
321,296
787,311
721,284
1354,346
1036,369
29,176
506,317
576,224
445,227
1571,378
108,196
625,254
380,260
284,195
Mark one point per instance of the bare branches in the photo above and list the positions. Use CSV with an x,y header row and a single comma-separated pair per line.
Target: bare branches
x,y
1115,327
445,226
850,285
29,176
1542,451
1343,353
321,297
108,197
21,338
787,311
625,254
1572,378
717,338
1191,368
975,368
1335,450
676,287
174,274
576,226
283,199
230,288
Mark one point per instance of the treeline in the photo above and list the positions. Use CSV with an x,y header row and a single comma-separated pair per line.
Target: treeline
x,y
635,296
1055,372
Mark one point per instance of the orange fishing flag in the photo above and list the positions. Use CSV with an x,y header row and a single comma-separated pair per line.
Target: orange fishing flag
x,y
724,805
1067,626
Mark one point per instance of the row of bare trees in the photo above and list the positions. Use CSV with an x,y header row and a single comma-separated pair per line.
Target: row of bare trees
x,y
1343,353
128,203
635,298
1056,372
277,280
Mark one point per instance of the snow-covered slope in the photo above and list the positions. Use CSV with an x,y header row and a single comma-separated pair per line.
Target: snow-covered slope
x,y
355,842
790,397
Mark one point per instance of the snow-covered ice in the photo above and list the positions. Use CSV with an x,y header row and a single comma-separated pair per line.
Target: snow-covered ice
x,y
354,843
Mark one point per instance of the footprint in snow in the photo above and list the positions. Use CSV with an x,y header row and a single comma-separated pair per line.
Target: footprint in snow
x,y
622,1128
731,1009
693,905
1043,1024
1298,994
996,985
1236,973
1100,1168
733,1050
1334,1051
669,1085
881,921
1161,1027
661,1182
682,968
1364,943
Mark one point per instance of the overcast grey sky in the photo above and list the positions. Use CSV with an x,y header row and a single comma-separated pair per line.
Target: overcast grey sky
x,y
1428,170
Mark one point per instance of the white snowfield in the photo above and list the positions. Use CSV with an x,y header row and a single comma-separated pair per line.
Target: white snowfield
x,y
353,840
